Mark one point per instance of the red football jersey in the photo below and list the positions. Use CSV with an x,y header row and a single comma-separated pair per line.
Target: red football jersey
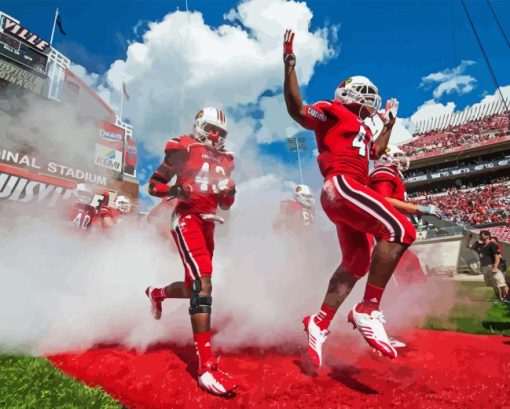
x,y
106,211
200,168
83,215
387,181
344,142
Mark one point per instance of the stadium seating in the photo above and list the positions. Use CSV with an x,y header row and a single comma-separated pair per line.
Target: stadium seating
x,y
465,134
483,204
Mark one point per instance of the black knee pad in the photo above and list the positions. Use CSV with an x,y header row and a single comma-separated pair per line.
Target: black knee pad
x,y
199,303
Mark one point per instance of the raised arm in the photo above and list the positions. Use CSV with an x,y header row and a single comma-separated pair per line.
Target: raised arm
x,y
291,92
388,117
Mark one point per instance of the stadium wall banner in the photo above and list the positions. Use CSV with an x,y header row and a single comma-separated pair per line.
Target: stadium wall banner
x,y
35,165
109,146
22,186
130,158
21,77
459,171
488,142
21,45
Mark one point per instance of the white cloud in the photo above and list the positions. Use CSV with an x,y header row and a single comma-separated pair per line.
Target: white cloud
x,y
184,64
276,122
450,80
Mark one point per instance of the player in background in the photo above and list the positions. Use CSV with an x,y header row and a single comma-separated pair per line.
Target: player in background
x,y
298,214
109,216
83,213
203,183
387,179
345,146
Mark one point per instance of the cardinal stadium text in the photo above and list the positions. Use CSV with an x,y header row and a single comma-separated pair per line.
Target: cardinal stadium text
x,y
52,167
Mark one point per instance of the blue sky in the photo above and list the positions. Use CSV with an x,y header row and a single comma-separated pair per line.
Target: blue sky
x,y
395,43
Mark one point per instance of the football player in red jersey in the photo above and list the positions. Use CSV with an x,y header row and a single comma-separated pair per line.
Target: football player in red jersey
x,y
387,180
297,214
83,213
203,170
345,145
110,216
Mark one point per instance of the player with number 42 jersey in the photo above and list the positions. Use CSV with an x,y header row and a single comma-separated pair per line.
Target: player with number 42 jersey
x,y
202,169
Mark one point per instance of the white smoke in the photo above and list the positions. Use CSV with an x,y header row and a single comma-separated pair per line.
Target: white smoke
x,y
62,291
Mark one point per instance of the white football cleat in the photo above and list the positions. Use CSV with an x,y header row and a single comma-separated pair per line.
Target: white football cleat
x,y
372,329
316,337
215,381
155,304
395,343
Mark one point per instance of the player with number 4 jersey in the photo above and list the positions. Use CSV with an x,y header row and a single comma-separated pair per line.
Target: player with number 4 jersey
x,y
202,168
345,146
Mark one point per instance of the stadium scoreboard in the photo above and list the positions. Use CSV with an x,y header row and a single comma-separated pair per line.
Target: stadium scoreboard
x,y
23,47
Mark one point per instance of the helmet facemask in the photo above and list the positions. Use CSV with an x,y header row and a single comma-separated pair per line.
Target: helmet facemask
x,y
304,196
122,204
210,127
362,93
395,157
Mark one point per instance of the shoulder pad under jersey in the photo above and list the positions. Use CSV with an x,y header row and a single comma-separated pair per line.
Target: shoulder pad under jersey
x,y
179,143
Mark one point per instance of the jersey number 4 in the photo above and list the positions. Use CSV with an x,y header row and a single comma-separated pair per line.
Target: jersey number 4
x,y
359,142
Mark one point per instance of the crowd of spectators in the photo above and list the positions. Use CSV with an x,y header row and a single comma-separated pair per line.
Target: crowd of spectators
x,y
459,135
457,164
483,204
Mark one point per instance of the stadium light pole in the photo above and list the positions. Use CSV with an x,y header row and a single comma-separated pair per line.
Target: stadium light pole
x,y
296,144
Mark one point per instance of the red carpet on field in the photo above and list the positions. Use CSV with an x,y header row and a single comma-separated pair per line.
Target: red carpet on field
x,y
437,370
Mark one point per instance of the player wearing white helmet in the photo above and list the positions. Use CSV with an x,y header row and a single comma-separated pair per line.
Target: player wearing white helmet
x,y
359,91
210,127
346,145
387,180
122,204
296,214
110,215
201,168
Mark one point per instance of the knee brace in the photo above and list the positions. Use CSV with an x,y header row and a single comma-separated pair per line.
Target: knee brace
x,y
199,303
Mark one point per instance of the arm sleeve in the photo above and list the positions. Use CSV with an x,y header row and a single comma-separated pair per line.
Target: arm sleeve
x,y
315,115
174,157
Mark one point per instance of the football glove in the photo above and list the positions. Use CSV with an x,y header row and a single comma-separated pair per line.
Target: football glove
x,y
288,54
389,115
433,210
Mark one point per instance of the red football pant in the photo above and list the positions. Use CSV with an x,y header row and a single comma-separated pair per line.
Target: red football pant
x,y
357,210
195,240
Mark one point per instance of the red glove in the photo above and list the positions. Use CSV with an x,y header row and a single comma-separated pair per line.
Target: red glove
x,y
288,53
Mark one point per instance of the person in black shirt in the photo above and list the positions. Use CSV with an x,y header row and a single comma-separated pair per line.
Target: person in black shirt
x,y
490,257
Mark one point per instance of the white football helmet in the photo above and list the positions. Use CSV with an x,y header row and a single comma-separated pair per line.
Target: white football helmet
x,y
84,193
359,90
303,195
394,156
210,127
122,204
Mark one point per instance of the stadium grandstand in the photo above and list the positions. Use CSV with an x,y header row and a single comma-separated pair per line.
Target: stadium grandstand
x,y
461,163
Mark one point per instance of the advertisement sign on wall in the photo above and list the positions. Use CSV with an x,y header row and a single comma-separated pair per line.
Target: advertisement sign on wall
x,y
109,146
